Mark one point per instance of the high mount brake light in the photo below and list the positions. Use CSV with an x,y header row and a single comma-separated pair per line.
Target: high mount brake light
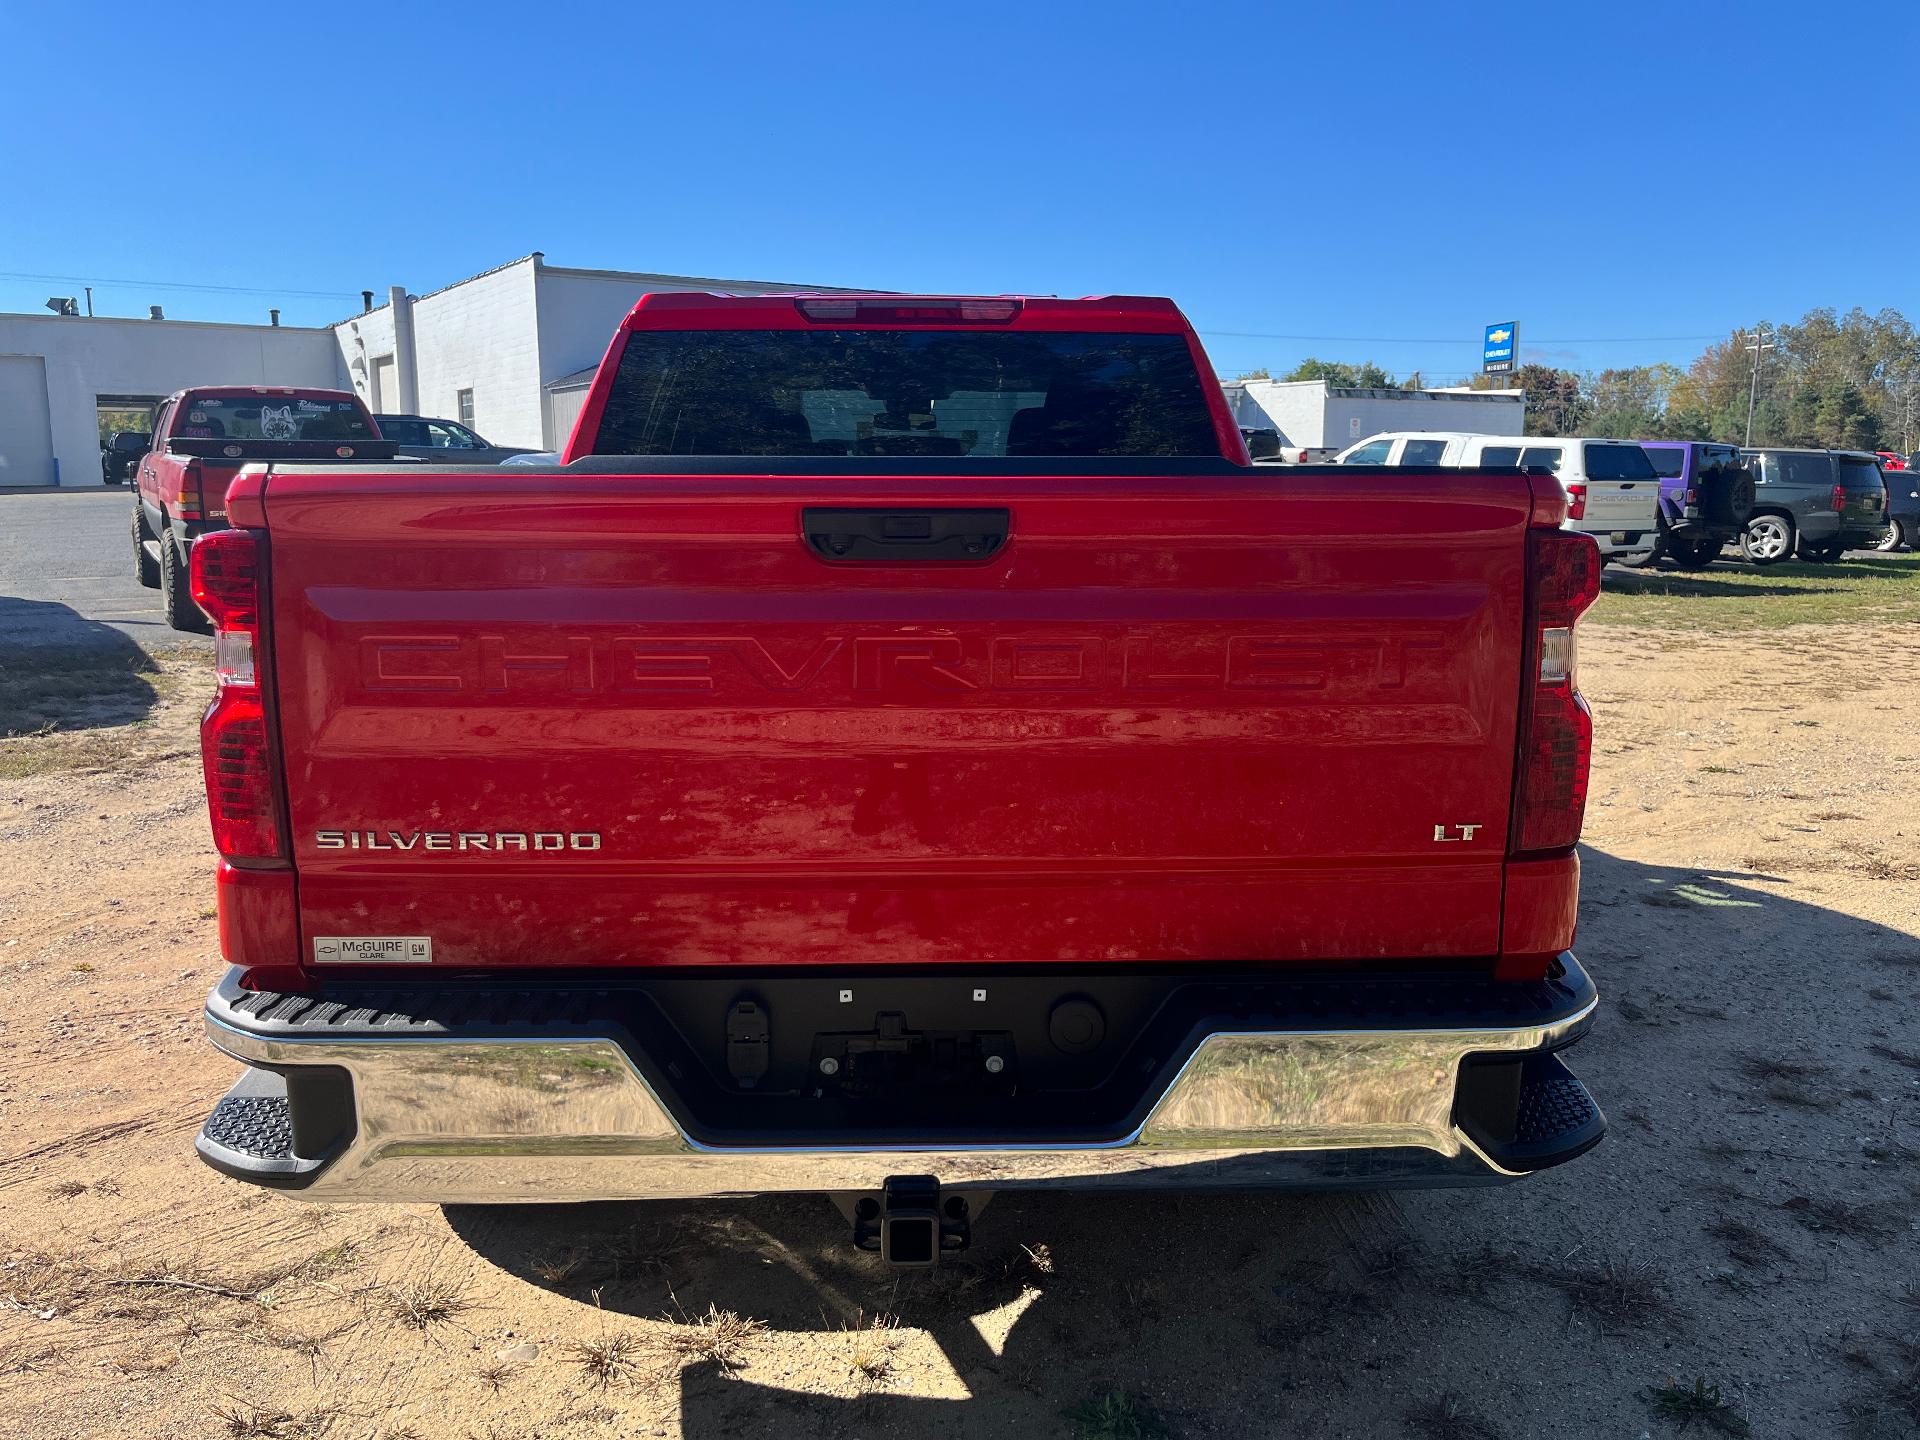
x,y
910,312
1556,728
242,801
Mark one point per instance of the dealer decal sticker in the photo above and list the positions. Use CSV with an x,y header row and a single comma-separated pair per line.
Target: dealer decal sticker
x,y
372,950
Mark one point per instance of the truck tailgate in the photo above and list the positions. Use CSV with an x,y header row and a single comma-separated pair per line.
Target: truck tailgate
x,y
593,720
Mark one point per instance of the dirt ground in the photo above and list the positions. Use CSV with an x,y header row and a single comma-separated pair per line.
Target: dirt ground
x,y
1751,908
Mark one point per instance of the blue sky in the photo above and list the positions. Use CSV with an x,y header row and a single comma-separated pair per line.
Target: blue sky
x,y
1622,181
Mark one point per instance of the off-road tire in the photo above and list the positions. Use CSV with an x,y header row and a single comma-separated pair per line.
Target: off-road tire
x,y
146,569
175,598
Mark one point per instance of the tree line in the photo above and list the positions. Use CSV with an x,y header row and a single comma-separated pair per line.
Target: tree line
x,y
1832,381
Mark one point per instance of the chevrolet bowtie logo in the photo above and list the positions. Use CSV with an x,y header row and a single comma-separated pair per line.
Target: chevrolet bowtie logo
x,y
1499,337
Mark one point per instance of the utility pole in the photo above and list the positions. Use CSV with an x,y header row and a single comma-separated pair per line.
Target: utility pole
x,y
1760,343
89,302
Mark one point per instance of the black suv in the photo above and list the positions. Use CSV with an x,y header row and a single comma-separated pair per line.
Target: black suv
x,y
1813,503
121,453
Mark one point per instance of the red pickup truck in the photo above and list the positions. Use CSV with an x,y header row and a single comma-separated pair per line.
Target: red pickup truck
x,y
905,752
201,440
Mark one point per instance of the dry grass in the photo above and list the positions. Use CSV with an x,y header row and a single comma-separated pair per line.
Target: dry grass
x,y
1801,1097
1447,1417
244,1421
1472,1276
1837,1217
1698,1404
423,1304
719,1336
871,1347
1772,1067
1746,1245
1116,1415
495,1374
91,752
556,1271
609,1360
1616,1293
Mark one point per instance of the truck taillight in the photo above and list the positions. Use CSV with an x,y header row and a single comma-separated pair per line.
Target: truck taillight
x,y
1556,728
1576,500
242,801
190,508
1839,499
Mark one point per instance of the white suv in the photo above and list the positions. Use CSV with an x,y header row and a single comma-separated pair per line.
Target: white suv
x,y
1612,490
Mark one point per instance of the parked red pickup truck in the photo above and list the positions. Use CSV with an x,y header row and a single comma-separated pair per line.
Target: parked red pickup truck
x,y
201,440
906,752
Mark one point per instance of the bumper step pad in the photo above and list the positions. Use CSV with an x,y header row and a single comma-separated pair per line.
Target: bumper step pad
x,y
256,1125
1556,1120
249,1135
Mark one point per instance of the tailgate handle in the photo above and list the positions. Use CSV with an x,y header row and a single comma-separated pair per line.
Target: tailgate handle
x,y
846,535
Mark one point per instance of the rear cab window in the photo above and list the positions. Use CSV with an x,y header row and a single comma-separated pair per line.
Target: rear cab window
x,y
963,393
1617,462
268,417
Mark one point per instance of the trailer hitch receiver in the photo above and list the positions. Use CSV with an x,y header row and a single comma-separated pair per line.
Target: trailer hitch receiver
x,y
911,1223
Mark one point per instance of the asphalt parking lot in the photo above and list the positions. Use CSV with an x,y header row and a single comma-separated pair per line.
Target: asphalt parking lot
x,y
66,574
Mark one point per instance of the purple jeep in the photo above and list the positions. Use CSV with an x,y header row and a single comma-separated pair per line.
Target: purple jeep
x,y
1706,495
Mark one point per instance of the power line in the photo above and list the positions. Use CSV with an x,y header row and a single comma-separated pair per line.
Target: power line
x,y
99,281
1416,340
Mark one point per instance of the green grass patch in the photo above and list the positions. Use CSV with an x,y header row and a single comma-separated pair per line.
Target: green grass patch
x,y
25,756
1117,1415
1733,596
47,688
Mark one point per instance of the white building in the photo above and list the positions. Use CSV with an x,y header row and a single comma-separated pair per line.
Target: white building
x,y
57,372
1314,415
508,352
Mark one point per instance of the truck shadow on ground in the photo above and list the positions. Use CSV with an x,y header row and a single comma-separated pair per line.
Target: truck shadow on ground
x,y
62,671
1630,580
1673,582
1302,1309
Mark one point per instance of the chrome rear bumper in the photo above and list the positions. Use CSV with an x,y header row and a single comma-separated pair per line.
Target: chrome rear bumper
x,y
547,1117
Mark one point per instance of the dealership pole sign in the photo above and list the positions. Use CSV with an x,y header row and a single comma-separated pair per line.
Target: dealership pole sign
x,y
1496,355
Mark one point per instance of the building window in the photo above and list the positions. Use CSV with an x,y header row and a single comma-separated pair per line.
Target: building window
x,y
463,401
